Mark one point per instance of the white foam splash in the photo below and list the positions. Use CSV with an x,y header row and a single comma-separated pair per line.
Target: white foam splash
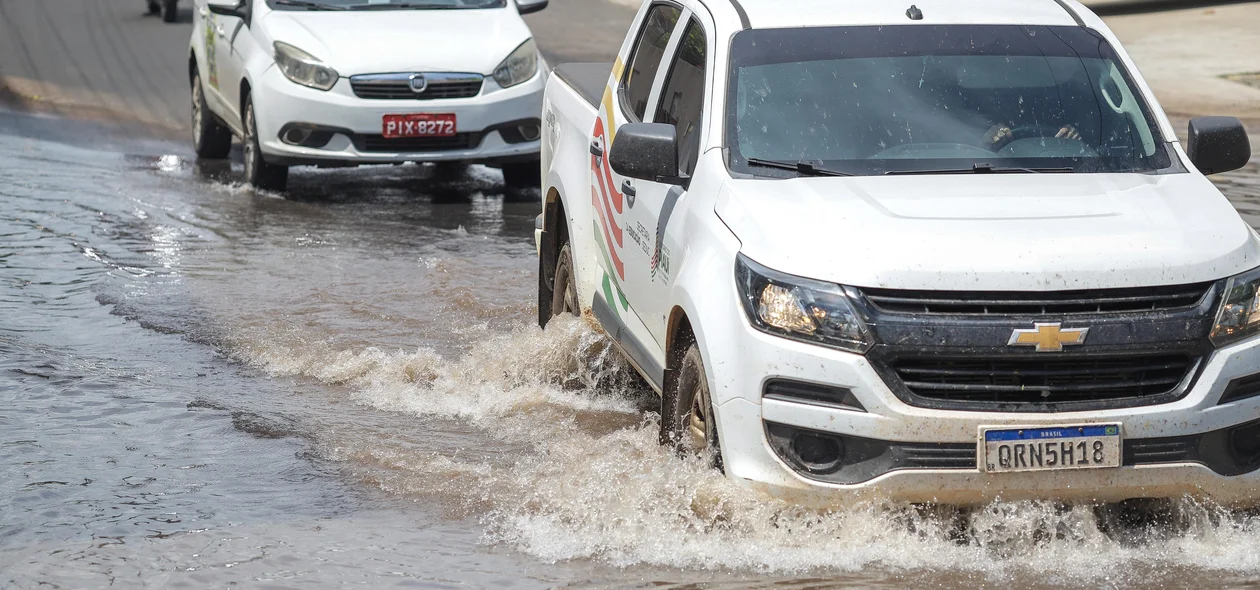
x,y
592,481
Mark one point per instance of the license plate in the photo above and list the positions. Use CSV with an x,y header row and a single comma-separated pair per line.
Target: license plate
x,y
1093,446
418,125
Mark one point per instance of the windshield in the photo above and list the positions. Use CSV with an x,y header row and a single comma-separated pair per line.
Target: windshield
x,y
382,4
925,99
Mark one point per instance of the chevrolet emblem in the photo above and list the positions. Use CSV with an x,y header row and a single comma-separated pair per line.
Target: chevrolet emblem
x,y
1048,337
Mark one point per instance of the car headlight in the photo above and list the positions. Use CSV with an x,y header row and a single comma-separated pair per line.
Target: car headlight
x,y
799,308
303,68
518,67
1239,316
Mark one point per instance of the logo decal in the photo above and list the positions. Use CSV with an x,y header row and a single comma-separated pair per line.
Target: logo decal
x,y
1049,337
418,83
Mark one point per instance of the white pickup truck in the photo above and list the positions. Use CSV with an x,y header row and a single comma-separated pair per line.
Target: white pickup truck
x,y
942,252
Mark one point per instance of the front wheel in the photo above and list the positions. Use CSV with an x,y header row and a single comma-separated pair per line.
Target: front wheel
x,y
564,297
170,10
687,420
257,171
212,140
155,7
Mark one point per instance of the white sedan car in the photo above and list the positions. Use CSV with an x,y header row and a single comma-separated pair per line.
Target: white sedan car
x,y
348,82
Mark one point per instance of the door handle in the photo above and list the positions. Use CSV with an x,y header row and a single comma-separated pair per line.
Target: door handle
x,y
205,12
628,189
221,31
597,150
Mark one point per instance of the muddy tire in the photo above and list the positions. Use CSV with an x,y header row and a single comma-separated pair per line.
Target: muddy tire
x,y
687,420
170,10
258,172
212,140
564,297
522,175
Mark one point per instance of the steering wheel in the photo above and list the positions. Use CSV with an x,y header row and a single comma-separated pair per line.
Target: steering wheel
x,y
1035,130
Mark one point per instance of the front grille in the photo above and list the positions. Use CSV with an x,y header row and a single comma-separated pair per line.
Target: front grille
x,y
1038,304
1042,381
398,88
937,455
379,143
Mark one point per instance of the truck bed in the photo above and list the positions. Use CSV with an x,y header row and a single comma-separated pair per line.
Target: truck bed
x,y
588,79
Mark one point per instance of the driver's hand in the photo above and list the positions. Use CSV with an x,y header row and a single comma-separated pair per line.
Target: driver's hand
x,y
997,136
1068,132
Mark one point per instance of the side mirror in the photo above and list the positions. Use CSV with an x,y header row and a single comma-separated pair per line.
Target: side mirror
x,y
1218,144
227,7
530,6
646,151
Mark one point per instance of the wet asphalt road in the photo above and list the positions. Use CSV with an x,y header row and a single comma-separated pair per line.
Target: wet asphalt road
x,y
204,386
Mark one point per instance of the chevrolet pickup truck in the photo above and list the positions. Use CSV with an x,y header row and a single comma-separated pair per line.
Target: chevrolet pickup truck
x,y
942,252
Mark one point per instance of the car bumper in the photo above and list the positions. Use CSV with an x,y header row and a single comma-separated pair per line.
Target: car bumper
x,y
355,124
753,358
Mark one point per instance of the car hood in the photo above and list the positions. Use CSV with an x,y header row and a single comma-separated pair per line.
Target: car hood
x,y
1010,232
387,41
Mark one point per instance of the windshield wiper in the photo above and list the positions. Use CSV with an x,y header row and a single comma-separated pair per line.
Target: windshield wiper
x,y
309,5
398,6
803,167
982,168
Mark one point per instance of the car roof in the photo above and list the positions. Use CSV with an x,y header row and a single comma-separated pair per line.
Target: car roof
x,y
798,13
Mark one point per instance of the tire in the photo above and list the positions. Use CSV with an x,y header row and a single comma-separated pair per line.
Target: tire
x,y
687,420
523,175
258,172
155,7
170,10
449,171
212,140
564,296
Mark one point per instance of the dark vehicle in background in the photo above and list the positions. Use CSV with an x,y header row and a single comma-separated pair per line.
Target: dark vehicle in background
x,y
169,9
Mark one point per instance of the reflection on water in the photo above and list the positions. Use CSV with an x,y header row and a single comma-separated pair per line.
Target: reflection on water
x,y
201,385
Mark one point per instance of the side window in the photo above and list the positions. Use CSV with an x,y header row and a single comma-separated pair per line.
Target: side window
x,y
648,52
682,100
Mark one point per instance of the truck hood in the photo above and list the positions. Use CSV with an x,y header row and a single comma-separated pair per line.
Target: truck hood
x,y
387,41
1011,232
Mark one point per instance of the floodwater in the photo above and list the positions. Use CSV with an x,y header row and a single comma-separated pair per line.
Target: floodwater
x,y
205,386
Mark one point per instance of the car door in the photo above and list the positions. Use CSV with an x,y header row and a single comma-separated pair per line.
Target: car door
x,y
205,27
231,46
624,251
679,102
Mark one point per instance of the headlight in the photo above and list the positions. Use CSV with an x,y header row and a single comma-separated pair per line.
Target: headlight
x,y
303,68
798,308
1239,316
518,67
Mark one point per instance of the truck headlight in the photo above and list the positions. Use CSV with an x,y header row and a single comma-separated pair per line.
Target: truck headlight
x,y
518,67
303,68
799,308
1239,316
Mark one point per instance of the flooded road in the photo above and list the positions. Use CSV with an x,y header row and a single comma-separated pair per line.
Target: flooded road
x,y
205,386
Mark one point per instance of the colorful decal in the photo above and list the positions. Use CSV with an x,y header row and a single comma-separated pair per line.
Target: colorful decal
x,y
660,258
607,201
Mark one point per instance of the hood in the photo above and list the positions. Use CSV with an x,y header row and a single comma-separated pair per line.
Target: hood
x,y
1010,232
387,41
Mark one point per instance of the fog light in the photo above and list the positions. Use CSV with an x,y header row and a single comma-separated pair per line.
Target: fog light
x,y
818,454
296,135
1244,443
530,132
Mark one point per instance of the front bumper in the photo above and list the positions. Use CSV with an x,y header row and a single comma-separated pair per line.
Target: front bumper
x,y
356,122
753,358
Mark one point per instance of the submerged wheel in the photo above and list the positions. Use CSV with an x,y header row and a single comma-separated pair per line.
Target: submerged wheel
x,y
687,420
564,297
212,140
257,171
170,10
523,175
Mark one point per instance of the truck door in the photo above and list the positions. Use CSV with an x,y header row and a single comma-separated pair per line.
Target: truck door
x,y
624,254
653,205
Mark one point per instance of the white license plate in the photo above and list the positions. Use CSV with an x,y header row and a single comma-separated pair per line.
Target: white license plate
x,y
1092,446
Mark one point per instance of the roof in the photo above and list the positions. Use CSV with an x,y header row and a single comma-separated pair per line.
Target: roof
x,y
768,14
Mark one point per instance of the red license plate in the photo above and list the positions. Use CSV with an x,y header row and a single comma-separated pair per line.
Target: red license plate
x,y
418,125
